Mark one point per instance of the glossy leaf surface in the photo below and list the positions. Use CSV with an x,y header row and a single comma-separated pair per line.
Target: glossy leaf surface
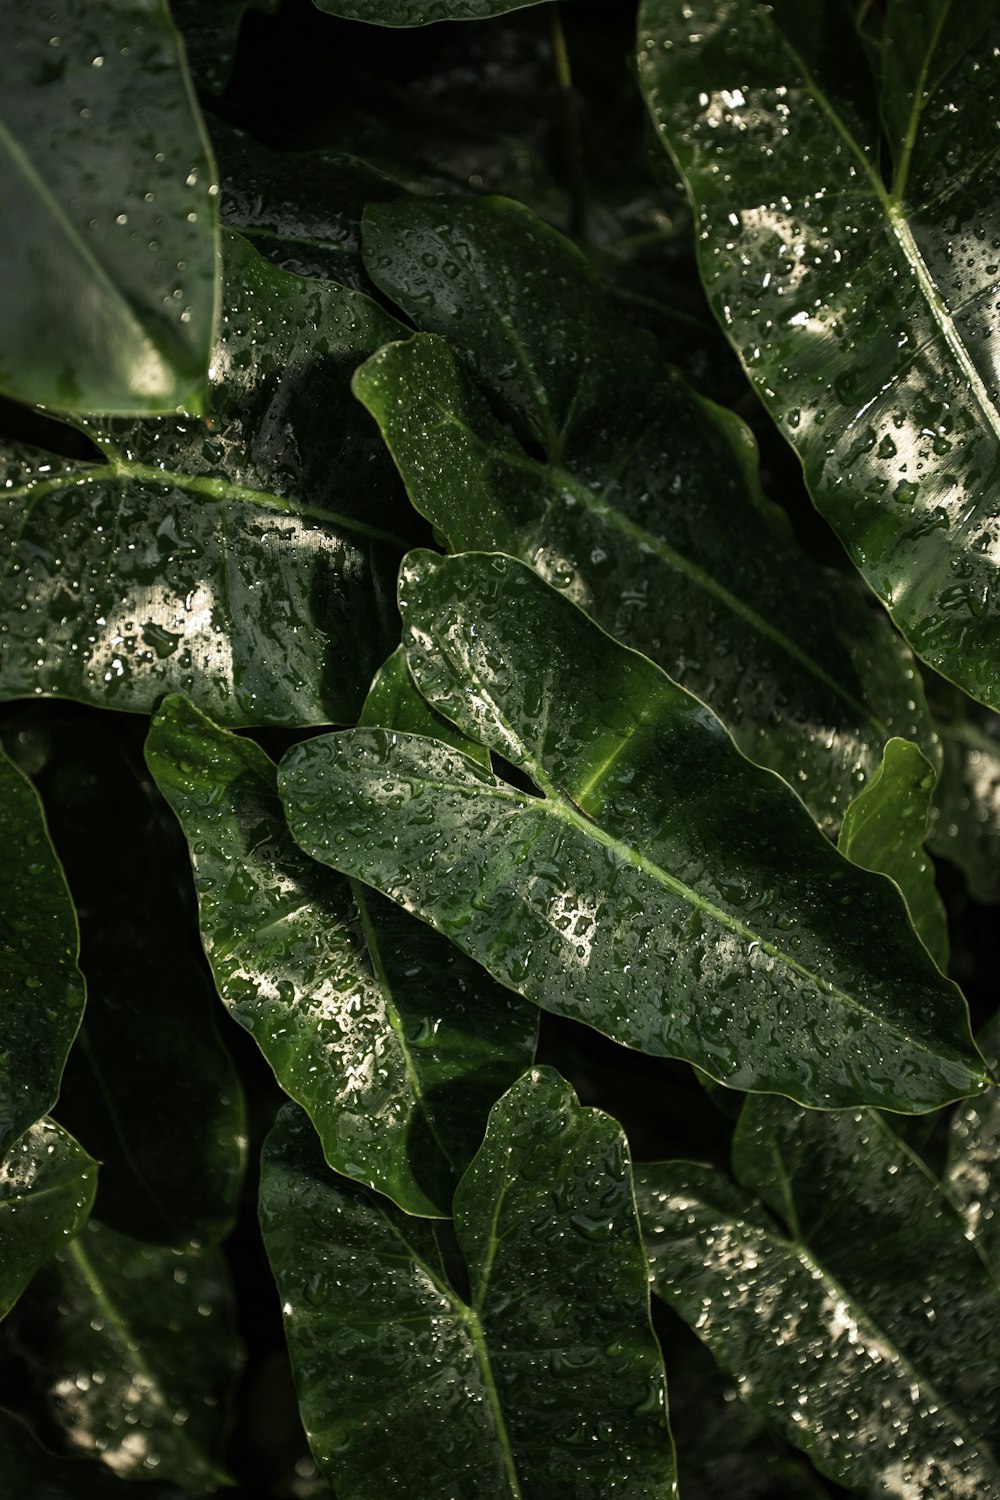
x,y
109,257
658,867
622,487
972,1170
546,1381
394,1043
239,559
124,1352
884,829
805,1348
47,1185
420,12
863,306
41,988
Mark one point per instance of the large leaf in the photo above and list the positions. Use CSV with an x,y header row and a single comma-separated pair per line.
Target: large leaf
x,y
868,1347
30,1470
243,559
41,988
884,829
624,488
663,889
965,827
861,307
972,1170
544,1380
420,12
394,1043
148,1089
124,1352
109,258
47,1185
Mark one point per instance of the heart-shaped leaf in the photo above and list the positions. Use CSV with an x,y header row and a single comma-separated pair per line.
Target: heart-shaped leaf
x,y
972,1169
624,488
544,1379
663,889
47,1185
109,260
860,303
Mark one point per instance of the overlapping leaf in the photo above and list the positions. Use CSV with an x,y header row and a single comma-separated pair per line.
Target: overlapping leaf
x,y
47,1185
965,827
972,1169
41,987
863,306
394,1043
663,889
109,253
545,1379
243,559
624,488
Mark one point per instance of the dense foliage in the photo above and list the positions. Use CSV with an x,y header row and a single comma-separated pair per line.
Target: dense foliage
x,y
501,525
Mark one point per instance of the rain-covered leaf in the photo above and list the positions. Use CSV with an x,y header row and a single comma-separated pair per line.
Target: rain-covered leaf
x,y
149,1089
624,488
543,1379
29,1469
394,1043
211,30
109,255
47,1185
125,1352
663,889
41,988
394,703
884,829
972,1169
868,1334
420,12
862,304
965,827
243,558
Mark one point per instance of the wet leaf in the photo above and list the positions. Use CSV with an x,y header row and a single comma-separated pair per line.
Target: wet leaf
x,y
420,12
624,488
31,1470
884,829
545,1379
394,1043
211,33
863,306
47,1185
109,262
41,988
662,890
972,1170
124,1352
965,826
241,559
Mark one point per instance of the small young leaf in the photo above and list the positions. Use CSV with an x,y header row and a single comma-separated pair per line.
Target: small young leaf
x,y
47,1185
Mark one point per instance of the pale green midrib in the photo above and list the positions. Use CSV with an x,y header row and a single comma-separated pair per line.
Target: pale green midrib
x,y
133,1351
35,1194
916,109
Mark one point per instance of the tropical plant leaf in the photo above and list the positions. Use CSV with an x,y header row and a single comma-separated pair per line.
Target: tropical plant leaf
x,y
420,12
658,867
124,1352
47,1185
847,1345
884,829
109,262
30,1470
238,559
624,488
211,33
41,988
972,1174
965,825
545,1379
394,703
148,1070
394,1043
861,307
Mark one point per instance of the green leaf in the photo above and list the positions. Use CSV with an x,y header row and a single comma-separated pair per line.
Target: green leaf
x,y
849,1336
884,830
394,703
394,1043
240,559
972,1173
544,1380
30,1470
861,307
638,497
965,827
663,889
109,260
211,33
47,1185
420,12
41,988
124,1352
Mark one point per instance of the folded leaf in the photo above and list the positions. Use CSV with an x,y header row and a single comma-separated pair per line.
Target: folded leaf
x,y
972,1170
109,258
47,1185
41,988
884,829
663,890
242,559
805,1349
394,1043
545,1380
860,305
624,488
